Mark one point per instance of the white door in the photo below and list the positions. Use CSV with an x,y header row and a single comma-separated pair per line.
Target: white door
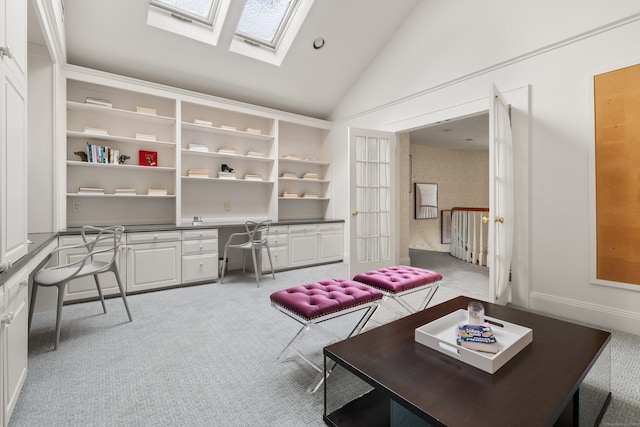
x,y
372,205
500,198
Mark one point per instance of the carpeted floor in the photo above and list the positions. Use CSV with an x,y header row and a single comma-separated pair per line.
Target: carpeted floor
x,y
206,356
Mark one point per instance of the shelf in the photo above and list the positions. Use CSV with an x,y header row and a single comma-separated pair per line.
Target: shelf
x,y
120,196
191,178
126,139
75,163
320,181
304,198
304,161
233,156
220,131
79,106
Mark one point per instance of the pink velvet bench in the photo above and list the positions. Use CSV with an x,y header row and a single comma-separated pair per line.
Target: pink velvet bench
x,y
321,301
399,281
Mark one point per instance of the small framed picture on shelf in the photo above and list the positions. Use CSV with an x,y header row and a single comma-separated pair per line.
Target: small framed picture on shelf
x,y
148,158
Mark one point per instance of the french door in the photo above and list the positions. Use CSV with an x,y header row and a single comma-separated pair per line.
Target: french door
x,y
372,203
501,209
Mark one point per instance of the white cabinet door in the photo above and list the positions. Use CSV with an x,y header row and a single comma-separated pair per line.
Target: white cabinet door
x,y
302,245
13,41
201,267
13,324
330,243
153,265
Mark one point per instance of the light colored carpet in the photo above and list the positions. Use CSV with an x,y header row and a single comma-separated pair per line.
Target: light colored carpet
x,y
205,356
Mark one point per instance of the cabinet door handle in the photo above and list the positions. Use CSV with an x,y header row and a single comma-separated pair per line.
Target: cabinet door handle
x,y
24,283
5,51
7,319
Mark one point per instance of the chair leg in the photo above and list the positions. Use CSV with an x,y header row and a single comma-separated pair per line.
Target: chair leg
x,y
34,291
61,289
273,274
104,307
122,294
224,266
255,266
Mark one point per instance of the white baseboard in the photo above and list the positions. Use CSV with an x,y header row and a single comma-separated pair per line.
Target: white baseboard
x,y
584,312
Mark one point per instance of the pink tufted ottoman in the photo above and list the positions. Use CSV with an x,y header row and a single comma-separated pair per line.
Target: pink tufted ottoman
x,y
317,302
401,280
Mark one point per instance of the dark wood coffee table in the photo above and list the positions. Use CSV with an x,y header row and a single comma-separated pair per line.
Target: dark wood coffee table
x,y
537,387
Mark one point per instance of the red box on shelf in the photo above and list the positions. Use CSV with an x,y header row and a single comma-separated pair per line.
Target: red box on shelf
x,y
148,158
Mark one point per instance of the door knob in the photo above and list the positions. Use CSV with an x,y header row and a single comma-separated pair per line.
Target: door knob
x,y
485,219
354,213
499,219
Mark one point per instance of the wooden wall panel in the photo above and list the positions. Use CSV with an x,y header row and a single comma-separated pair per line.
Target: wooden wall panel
x,y
617,158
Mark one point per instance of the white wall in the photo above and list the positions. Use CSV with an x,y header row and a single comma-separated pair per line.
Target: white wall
x,y
40,146
449,53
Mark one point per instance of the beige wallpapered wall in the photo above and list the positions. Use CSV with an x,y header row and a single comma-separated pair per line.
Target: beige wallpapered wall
x,y
463,181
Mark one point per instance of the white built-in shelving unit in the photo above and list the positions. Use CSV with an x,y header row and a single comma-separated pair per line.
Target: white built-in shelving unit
x,y
258,144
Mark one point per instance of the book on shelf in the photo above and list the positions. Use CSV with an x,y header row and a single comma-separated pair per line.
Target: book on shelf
x,y
290,195
97,101
202,122
227,150
100,154
145,137
195,146
95,131
226,175
291,156
309,175
225,127
147,158
254,131
310,195
289,175
252,177
90,190
198,173
477,337
125,191
252,153
146,110
157,192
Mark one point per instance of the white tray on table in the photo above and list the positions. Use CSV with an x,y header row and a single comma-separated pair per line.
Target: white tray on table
x,y
440,335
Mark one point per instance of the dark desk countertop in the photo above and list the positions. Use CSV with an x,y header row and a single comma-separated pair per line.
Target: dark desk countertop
x,y
41,240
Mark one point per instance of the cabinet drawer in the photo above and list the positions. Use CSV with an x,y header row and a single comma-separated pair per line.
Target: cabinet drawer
x,y
330,228
17,283
278,240
190,247
303,229
279,256
149,237
77,240
200,234
278,229
199,267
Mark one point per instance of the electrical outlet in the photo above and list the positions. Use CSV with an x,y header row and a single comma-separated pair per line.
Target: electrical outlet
x,y
227,206
75,207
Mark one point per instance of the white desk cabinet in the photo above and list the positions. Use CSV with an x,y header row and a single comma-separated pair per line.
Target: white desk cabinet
x,y
302,245
13,341
153,260
279,245
199,255
330,242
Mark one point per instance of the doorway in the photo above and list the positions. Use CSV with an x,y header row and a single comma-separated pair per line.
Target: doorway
x,y
452,154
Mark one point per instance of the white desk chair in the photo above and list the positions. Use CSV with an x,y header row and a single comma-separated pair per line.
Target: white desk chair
x,y
253,239
108,240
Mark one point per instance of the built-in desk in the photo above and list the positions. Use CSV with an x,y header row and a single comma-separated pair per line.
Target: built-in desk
x,y
384,377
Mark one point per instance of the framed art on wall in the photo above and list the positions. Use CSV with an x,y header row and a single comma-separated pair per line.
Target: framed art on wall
x,y
426,201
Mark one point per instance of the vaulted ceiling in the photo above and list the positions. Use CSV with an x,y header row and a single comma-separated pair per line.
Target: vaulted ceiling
x,y
114,36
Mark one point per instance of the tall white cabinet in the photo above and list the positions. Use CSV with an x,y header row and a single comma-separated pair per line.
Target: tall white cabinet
x,y
13,131
215,159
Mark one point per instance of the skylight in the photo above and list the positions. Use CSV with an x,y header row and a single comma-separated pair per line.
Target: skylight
x,y
199,10
264,21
